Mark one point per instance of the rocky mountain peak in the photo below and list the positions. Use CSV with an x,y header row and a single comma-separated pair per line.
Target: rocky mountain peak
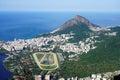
x,y
76,20
81,19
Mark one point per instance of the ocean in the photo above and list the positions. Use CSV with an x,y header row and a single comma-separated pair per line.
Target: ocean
x,y
26,25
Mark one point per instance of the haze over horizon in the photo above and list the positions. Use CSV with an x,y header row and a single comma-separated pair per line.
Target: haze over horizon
x,y
60,5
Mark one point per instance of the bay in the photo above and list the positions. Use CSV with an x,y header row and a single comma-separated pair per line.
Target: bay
x,y
4,74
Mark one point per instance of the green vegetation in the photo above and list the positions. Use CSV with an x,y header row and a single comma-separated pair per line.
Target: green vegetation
x,y
3,51
47,62
39,56
116,29
59,63
49,59
81,31
23,65
104,58
49,67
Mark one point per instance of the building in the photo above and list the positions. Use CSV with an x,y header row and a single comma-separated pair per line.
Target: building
x,y
38,77
47,77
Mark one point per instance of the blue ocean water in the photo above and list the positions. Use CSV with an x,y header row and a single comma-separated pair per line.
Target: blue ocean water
x,y
24,25
4,74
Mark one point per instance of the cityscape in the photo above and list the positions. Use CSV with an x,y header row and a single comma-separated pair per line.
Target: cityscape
x,y
60,40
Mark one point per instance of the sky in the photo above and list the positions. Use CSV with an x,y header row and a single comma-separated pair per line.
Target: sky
x,y
60,5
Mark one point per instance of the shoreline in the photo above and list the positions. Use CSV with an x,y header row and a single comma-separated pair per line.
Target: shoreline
x,y
4,70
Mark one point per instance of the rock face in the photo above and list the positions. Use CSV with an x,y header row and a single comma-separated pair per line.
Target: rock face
x,y
77,19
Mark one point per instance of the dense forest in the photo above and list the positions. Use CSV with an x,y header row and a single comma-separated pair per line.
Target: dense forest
x,y
104,58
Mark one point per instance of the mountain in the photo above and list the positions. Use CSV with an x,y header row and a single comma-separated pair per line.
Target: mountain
x,y
84,48
104,58
80,26
76,20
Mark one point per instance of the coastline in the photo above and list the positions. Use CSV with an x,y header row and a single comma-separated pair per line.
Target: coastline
x,y
4,73
8,57
39,23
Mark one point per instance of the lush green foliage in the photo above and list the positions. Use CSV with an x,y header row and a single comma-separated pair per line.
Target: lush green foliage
x,y
81,31
116,29
104,58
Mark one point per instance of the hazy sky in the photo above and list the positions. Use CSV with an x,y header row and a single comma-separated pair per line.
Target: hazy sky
x,y
60,5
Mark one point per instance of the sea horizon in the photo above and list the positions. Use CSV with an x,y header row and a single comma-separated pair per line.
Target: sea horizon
x,y
27,25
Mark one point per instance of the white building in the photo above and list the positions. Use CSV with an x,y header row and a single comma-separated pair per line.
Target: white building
x,y
47,77
38,77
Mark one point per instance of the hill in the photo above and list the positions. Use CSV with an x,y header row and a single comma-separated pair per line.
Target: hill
x,y
75,21
104,58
